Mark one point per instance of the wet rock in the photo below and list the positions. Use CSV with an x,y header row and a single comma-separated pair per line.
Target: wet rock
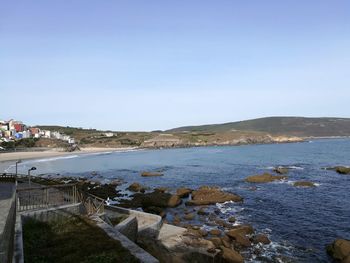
x,y
340,250
226,242
240,239
342,170
304,184
202,211
193,233
206,195
116,182
183,192
264,178
176,220
242,229
261,238
215,232
150,174
222,223
281,170
103,191
136,187
195,227
161,189
155,210
230,256
211,250
189,216
216,241
203,232
157,199
232,219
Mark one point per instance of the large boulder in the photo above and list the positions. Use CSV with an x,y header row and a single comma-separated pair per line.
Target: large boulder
x,y
136,187
239,235
207,195
241,229
264,178
261,238
183,192
157,199
230,256
340,250
304,184
239,239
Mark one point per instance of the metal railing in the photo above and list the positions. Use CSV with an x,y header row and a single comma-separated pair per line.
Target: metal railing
x,y
93,204
5,177
46,196
39,197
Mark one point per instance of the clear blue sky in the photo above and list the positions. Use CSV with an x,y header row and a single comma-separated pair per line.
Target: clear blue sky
x,y
146,65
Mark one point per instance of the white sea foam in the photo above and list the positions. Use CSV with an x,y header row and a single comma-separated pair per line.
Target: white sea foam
x,y
228,207
293,167
51,159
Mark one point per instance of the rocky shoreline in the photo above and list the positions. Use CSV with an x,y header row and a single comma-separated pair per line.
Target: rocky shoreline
x,y
196,211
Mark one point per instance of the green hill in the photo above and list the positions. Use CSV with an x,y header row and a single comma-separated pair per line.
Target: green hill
x,y
293,126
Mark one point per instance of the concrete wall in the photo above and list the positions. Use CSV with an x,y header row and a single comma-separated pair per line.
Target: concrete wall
x,y
52,214
134,249
148,224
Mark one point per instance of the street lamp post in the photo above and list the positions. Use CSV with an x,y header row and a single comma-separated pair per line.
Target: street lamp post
x,y
31,169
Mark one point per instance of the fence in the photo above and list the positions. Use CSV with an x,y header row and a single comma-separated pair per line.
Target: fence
x,y
46,196
7,177
41,197
92,203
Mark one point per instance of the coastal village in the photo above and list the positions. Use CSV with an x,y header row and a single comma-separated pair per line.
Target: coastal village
x,y
13,130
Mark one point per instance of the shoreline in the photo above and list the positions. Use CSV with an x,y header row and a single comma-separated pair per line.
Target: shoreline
x,y
57,152
28,155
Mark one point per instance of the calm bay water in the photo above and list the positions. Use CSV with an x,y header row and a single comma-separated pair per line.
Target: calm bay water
x,y
299,221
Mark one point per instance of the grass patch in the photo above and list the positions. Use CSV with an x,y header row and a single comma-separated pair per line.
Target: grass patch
x,y
75,239
117,220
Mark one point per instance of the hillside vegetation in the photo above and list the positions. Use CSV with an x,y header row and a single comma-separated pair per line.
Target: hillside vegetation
x,y
288,126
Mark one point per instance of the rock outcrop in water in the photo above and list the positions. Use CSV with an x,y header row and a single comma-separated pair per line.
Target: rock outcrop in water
x,y
136,187
207,195
150,174
230,255
340,250
281,170
304,184
340,169
154,199
264,178
183,192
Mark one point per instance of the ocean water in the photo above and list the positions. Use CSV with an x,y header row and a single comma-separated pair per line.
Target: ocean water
x,y
299,221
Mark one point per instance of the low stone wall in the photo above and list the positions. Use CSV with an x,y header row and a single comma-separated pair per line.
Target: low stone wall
x,y
134,249
54,213
128,228
7,226
148,224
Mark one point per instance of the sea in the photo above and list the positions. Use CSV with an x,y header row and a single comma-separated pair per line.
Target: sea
x,y
299,221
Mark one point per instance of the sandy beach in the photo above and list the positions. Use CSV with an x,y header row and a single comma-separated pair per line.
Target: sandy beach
x,y
13,156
